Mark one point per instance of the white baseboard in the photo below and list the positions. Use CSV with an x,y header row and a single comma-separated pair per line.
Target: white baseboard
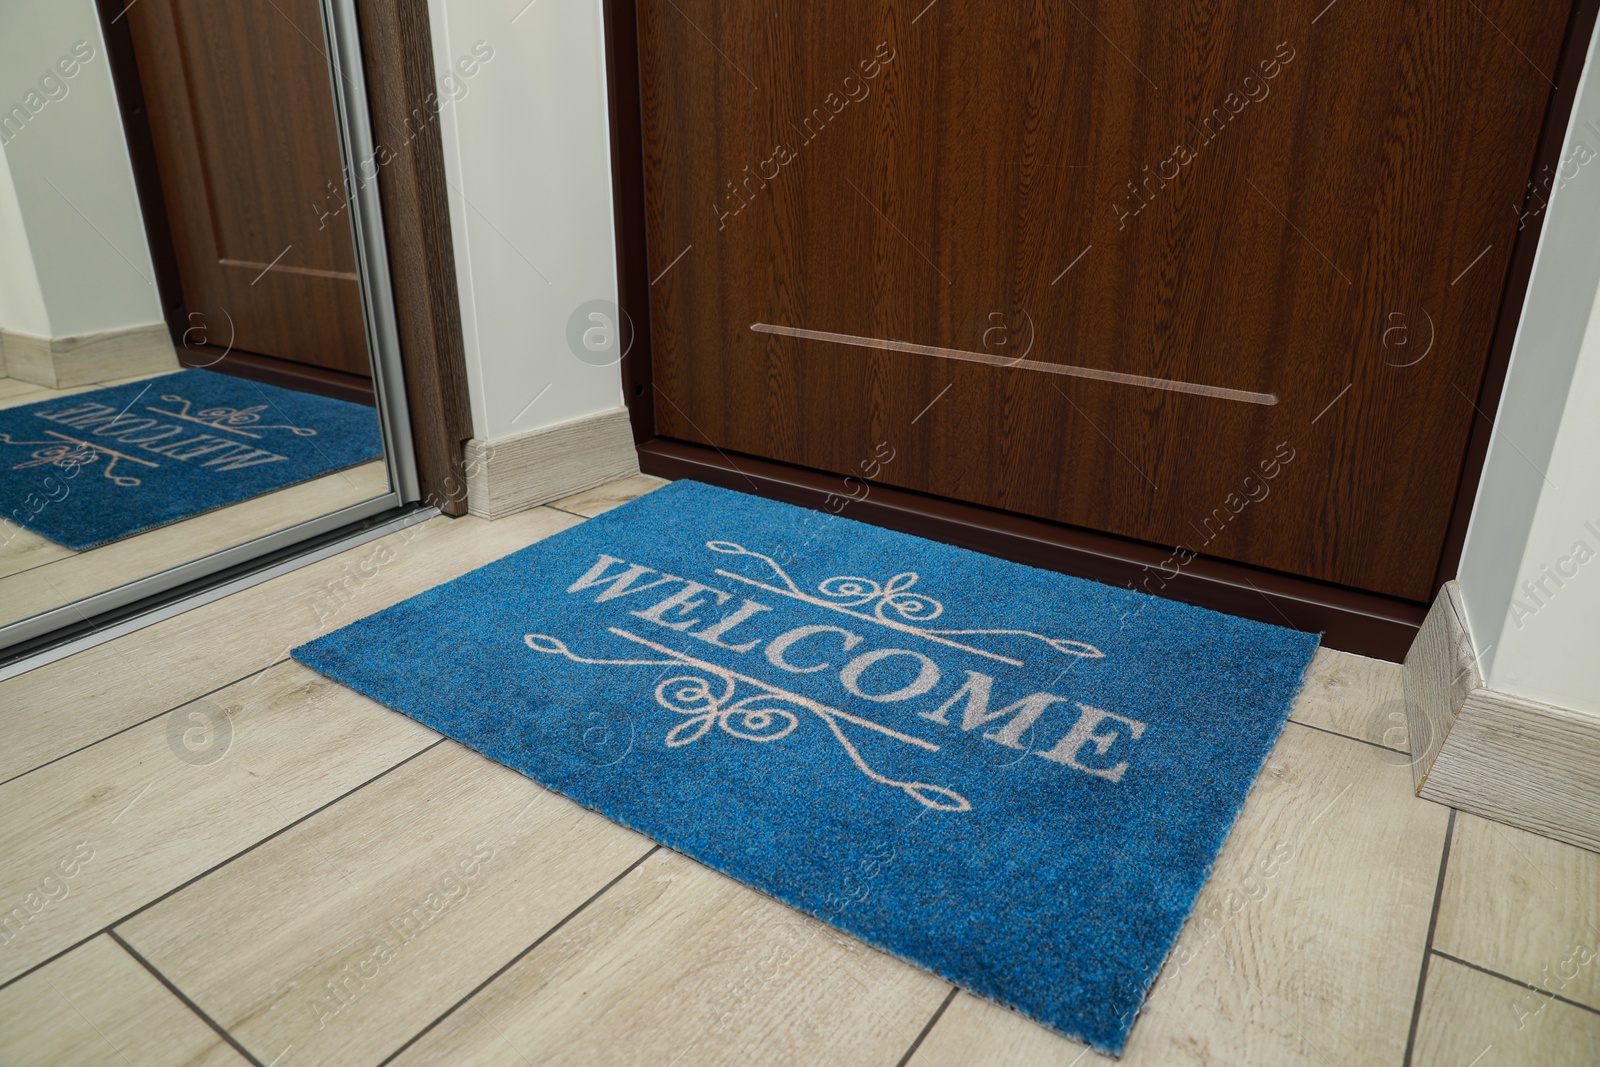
x,y
511,474
65,362
1505,757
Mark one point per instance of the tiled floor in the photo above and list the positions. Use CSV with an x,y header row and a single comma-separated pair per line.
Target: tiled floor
x,y
36,574
211,854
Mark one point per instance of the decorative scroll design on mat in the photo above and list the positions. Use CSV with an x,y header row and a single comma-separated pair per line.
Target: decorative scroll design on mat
x,y
767,714
74,453
893,605
233,420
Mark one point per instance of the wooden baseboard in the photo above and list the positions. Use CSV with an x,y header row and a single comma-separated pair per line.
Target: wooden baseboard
x,y
65,362
1349,620
511,474
1441,671
1505,757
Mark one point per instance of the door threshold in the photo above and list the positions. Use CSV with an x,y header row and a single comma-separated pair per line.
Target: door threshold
x,y
1350,620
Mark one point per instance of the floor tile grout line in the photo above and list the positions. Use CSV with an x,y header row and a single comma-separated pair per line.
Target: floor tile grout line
x,y
147,905
1427,949
76,553
1348,737
514,960
141,722
564,511
59,559
113,644
184,998
928,1029
1516,982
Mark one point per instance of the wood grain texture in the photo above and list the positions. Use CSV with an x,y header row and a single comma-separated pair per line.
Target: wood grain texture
x,y
1350,620
397,48
300,377
510,474
1523,906
1305,945
97,1006
598,501
679,964
351,932
242,119
62,706
145,810
959,183
15,387
621,18
1506,757
1354,696
1440,670
14,392
21,549
1476,1019
1522,762
46,583
1552,148
90,359
1314,918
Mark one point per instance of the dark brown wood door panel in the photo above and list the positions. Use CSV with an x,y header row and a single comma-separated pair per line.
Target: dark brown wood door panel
x,y
242,118
1211,275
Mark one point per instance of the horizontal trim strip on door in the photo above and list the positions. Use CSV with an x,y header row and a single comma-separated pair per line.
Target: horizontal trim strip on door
x,y
1117,377
281,268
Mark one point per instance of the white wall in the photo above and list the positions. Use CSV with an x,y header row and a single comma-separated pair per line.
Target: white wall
x,y
21,302
68,164
527,157
1530,570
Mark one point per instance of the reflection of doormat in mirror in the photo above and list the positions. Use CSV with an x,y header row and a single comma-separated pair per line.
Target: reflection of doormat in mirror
x,y
101,465
1013,778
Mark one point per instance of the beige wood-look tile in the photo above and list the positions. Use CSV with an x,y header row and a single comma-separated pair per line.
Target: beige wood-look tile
x,y
79,574
346,935
64,705
603,498
15,396
679,964
1523,906
97,1006
14,387
154,806
1355,696
1472,1019
17,392
21,549
1304,946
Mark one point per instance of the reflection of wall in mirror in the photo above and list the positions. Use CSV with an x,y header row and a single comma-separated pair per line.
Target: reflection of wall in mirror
x,y
78,300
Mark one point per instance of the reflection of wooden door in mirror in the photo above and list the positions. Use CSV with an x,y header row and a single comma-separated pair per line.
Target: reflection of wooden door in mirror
x,y
1251,255
242,116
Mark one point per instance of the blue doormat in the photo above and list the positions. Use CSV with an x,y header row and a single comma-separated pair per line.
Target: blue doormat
x,y
101,465
1012,778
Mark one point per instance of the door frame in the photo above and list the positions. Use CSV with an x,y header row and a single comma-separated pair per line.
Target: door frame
x,y
1350,620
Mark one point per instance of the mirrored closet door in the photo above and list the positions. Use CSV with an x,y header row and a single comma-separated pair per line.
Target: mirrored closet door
x,y
197,364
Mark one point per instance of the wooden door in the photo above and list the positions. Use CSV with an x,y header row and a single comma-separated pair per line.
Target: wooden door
x,y
1219,275
242,116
